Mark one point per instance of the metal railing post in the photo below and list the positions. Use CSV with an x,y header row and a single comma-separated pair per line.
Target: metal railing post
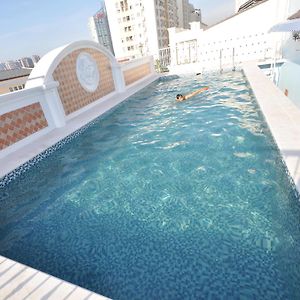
x,y
233,62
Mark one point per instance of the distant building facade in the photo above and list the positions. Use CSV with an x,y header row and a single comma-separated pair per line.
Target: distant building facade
x,y
99,28
195,15
26,62
35,59
187,14
183,13
229,43
139,27
13,80
12,65
2,66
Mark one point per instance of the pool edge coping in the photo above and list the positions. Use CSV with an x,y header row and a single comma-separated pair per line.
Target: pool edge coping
x,y
22,282
281,115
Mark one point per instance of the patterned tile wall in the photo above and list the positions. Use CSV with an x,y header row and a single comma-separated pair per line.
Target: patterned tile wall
x,y
18,124
71,93
136,73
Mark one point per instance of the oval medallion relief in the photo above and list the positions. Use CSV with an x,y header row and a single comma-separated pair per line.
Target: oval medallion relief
x,y
87,72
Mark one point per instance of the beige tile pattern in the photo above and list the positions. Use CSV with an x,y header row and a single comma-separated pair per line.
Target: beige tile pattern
x,y
19,124
71,93
136,73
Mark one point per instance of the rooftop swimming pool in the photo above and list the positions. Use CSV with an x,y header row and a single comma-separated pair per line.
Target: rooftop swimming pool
x,y
163,200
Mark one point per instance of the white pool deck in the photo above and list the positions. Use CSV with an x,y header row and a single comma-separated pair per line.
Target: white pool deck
x,y
282,116
21,282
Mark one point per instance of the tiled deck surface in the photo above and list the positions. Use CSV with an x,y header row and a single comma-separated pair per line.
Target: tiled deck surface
x,y
21,282
282,115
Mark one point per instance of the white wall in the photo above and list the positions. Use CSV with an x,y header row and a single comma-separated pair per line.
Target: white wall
x,y
291,48
246,33
289,80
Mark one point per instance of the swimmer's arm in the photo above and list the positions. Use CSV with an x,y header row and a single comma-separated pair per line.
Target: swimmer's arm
x,y
196,92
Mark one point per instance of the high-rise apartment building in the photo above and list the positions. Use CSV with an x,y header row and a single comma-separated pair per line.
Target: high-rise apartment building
x,y
139,27
183,15
99,28
187,14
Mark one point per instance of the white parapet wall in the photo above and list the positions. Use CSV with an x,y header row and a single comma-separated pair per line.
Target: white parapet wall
x,y
67,83
242,37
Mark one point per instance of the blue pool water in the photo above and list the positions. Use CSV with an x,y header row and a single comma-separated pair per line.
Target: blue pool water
x,y
163,200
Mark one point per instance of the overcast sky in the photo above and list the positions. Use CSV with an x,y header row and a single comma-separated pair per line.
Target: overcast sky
x,y
36,26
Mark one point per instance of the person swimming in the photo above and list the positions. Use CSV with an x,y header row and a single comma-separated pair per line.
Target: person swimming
x,y
181,97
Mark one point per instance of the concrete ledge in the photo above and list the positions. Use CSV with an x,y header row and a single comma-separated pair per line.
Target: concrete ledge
x,y
18,282
282,116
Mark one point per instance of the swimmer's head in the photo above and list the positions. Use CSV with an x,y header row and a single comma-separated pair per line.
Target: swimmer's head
x,y
179,97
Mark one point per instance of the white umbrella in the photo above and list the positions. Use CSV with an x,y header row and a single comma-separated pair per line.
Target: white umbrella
x,y
288,26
